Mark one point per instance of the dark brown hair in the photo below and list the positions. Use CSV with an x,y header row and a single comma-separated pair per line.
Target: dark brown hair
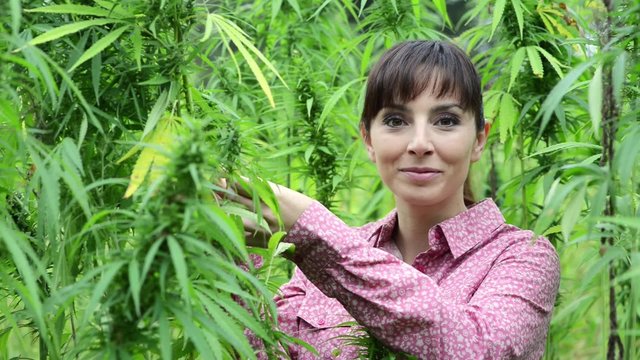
x,y
409,68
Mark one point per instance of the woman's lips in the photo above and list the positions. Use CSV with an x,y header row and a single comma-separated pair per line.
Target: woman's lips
x,y
420,174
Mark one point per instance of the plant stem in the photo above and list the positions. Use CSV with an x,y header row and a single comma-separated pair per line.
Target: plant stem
x,y
493,173
609,125
523,185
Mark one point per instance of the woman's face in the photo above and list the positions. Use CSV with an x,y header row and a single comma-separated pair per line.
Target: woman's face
x,y
423,150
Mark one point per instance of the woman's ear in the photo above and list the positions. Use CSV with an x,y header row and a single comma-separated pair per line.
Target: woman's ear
x,y
481,141
366,138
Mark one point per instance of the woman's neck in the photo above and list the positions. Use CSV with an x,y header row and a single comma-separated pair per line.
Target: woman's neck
x,y
414,222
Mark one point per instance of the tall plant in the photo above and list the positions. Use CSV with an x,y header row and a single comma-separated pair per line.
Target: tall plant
x,y
99,265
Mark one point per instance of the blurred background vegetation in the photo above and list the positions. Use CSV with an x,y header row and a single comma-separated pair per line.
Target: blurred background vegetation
x,y
118,117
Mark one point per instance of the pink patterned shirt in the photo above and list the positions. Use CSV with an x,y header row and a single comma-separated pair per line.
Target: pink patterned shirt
x,y
483,290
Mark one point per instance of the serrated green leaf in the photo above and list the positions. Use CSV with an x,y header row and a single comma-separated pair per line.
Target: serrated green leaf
x,y
72,178
572,212
194,332
564,146
14,243
155,114
99,289
498,10
296,7
134,284
492,99
96,70
595,100
415,7
149,258
566,310
441,6
239,38
626,221
63,30
535,61
99,46
612,253
333,100
136,41
225,231
276,5
627,154
114,8
552,60
554,98
15,8
253,65
180,266
507,116
366,55
319,10
516,64
618,76
518,9
164,332
556,196
71,9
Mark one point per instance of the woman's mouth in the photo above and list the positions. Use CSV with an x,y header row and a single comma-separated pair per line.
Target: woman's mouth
x,y
420,174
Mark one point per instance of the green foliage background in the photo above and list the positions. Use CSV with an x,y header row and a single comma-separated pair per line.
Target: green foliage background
x,y
157,99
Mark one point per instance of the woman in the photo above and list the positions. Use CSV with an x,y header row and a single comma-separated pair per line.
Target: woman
x,y
439,277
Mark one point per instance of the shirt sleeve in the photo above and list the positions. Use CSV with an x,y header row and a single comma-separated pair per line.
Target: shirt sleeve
x,y
507,317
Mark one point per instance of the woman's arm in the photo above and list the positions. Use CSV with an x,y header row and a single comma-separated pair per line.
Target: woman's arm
x,y
507,316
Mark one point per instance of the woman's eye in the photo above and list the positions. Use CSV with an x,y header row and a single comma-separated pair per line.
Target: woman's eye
x,y
393,121
447,121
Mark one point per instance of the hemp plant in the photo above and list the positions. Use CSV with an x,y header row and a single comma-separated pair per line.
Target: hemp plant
x,y
116,245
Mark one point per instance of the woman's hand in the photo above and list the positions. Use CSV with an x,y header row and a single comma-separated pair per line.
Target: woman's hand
x,y
291,203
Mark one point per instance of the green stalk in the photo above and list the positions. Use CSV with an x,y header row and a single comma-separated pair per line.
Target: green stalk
x,y
523,191
609,127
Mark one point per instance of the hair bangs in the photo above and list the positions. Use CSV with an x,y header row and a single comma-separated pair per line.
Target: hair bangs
x,y
408,69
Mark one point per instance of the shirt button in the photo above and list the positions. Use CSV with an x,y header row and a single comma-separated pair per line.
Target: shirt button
x,y
321,322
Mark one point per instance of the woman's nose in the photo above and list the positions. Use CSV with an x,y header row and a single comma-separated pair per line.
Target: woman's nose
x,y
421,143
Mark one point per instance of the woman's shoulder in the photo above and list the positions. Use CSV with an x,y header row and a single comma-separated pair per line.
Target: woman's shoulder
x,y
518,239
527,249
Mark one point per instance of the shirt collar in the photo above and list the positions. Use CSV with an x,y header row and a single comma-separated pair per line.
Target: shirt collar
x,y
461,232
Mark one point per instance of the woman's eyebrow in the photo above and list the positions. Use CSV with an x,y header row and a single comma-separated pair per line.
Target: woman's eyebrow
x,y
436,109
446,107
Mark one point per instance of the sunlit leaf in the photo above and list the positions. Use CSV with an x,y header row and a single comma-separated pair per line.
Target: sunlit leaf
x,y
518,8
618,76
441,7
498,10
556,95
535,61
180,266
516,64
564,146
99,46
71,9
98,291
507,116
64,30
595,99
333,100
572,212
